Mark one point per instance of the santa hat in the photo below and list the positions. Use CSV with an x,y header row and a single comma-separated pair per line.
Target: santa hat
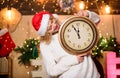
x,y
40,22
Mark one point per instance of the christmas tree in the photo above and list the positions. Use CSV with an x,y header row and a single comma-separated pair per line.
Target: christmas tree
x,y
28,51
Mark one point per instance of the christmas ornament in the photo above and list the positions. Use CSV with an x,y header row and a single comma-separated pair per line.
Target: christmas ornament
x,y
35,52
6,43
11,17
28,51
66,4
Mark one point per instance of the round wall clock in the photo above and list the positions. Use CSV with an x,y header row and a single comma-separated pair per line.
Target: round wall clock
x,y
78,35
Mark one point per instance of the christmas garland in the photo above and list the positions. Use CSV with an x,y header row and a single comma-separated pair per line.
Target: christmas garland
x,y
28,51
105,44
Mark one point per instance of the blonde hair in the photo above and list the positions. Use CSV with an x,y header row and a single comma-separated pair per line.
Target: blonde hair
x,y
46,38
48,35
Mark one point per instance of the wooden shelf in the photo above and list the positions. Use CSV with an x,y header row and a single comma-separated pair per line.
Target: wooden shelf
x,y
2,73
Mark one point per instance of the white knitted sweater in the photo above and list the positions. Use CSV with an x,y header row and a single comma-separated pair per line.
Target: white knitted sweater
x,y
59,63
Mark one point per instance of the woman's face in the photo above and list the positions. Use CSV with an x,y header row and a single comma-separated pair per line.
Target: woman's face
x,y
53,25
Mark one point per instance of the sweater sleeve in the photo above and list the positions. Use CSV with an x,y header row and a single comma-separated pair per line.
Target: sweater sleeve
x,y
94,17
56,68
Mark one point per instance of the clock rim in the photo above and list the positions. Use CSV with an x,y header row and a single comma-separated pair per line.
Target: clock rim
x,y
65,46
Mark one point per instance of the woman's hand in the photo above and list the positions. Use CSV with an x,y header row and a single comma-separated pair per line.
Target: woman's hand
x,y
82,13
81,56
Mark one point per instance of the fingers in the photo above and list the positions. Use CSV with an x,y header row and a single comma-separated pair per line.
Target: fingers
x,y
84,54
81,56
81,13
80,59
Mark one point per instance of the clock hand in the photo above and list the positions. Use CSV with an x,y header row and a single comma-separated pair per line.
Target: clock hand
x,y
74,28
77,31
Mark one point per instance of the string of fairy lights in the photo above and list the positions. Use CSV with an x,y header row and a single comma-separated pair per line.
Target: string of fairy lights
x,y
29,7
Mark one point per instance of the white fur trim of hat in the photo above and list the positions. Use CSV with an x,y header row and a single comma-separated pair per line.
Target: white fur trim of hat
x,y
44,23
3,31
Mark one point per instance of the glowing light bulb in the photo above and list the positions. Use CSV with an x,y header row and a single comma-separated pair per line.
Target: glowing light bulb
x,y
107,9
9,14
82,5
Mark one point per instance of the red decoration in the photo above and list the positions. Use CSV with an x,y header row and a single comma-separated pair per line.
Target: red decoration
x,y
6,43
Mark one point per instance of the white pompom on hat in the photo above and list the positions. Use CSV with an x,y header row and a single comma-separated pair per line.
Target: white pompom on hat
x,y
40,22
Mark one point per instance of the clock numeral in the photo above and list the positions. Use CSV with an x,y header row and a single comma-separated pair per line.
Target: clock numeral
x,y
78,24
79,46
69,30
85,44
83,25
88,29
69,41
88,40
89,34
73,44
67,36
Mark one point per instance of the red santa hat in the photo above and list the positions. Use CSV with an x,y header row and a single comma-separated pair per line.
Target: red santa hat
x,y
40,22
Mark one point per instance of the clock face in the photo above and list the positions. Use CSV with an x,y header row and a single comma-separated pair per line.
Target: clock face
x,y
78,35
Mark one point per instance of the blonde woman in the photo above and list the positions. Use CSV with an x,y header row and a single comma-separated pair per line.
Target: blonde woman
x,y
57,61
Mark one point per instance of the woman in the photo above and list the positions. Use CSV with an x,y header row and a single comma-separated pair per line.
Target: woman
x,y
57,61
